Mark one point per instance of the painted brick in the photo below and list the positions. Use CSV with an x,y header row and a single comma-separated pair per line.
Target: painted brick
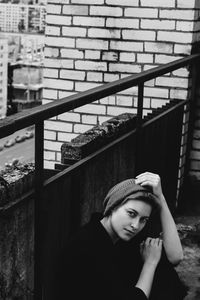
x,y
69,117
66,137
58,126
112,56
74,10
90,65
106,11
80,128
158,47
196,134
88,119
186,3
195,165
104,33
49,135
114,110
158,3
177,14
95,76
184,26
164,59
58,63
92,54
92,44
122,23
91,109
149,67
45,101
52,30
51,52
141,12
58,20
155,103
126,46
52,73
58,156
72,74
49,155
110,100
103,119
150,82
156,92
59,1
58,84
49,164
89,21
83,86
157,24
87,2
178,94
177,37
73,31
71,53
182,49
126,56
54,146
146,102
123,3
138,35
52,94
60,42
131,91
54,9
64,94
145,58
110,77
124,101
172,82
124,68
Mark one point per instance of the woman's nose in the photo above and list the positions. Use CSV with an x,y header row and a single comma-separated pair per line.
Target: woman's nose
x,y
135,224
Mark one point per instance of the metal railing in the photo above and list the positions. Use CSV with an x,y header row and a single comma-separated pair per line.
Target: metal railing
x,y
36,116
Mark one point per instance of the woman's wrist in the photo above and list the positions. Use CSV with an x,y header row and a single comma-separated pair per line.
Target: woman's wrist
x,y
150,264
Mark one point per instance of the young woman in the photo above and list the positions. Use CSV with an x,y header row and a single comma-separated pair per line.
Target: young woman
x,y
109,257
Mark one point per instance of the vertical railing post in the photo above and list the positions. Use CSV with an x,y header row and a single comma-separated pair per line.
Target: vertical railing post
x,y
39,161
140,104
194,76
139,124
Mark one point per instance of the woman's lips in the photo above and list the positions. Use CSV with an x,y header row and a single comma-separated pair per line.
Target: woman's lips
x,y
130,231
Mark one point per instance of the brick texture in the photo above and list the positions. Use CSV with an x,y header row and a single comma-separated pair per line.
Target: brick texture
x,y
92,42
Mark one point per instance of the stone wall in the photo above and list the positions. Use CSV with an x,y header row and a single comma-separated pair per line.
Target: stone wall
x,y
93,42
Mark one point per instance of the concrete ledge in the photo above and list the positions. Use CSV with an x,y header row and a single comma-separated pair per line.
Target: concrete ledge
x,y
189,269
96,137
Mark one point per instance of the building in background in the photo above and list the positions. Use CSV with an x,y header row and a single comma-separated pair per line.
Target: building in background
x,y
22,18
3,77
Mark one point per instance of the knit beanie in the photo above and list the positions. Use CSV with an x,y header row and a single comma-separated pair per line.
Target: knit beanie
x,y
124,191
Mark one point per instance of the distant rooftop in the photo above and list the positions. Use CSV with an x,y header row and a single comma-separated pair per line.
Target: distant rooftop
x,y
31,2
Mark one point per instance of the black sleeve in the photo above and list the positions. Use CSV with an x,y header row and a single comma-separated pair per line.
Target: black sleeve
x,y
136,294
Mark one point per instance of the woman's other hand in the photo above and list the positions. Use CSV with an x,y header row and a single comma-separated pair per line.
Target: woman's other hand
x,y
151,250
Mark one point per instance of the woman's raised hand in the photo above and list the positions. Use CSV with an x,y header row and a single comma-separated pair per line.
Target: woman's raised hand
x,y
153,181
151,250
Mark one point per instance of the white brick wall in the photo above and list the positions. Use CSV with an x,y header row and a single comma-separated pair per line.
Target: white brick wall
x,y
91,42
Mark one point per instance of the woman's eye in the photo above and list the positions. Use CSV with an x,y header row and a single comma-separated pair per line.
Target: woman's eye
x,y
131,213
144,220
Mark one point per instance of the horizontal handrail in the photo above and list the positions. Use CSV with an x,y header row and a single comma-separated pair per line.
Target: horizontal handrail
x,y
34,115
79,164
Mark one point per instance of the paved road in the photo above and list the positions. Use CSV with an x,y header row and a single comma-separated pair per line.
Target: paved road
x,y
23,151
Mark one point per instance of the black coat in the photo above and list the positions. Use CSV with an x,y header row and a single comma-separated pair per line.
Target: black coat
x,y
91,267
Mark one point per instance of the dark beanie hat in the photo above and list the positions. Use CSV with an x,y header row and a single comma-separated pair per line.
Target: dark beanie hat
x,y
125,190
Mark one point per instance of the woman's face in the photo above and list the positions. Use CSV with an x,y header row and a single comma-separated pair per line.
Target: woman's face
x,y
129,219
